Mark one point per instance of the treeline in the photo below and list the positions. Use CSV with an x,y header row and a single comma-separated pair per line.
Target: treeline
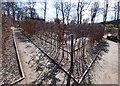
x,y
64,10
19,10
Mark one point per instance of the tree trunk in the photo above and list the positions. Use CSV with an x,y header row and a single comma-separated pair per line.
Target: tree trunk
x,y
118,14
45,11
56,13
78,15
81,17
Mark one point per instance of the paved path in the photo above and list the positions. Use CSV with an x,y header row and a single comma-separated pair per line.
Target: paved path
x,y
106,69
119,64
25,49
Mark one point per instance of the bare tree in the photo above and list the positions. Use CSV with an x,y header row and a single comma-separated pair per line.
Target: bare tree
x,y
68,8
115,11
65,8
44,8
31,5
21,11
62,9
6,8
45,4
105,11
14,9
80,7
9,8
94,10
118,13
78,12
57,8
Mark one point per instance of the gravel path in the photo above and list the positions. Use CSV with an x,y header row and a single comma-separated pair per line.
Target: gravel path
x,y
106,70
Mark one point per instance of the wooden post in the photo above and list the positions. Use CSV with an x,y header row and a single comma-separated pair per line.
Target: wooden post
x,y
71,65
71,55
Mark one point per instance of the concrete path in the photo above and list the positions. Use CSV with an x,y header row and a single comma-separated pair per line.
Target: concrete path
x,y
106,70
25,49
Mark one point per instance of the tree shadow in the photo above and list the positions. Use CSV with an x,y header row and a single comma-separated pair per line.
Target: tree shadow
x,y
97,51
21,37
50,76
100,49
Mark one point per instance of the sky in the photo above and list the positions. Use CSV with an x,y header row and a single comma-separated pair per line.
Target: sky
x,y
50,13
51,10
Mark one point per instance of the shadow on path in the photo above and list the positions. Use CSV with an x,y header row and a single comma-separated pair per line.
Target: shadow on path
x,y
21,37
101,48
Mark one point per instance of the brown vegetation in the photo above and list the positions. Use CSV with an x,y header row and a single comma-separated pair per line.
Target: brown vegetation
x,y
6,31
10,71
93,31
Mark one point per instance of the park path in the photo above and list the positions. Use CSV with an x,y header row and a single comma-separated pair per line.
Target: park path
x,y
105,70
26,51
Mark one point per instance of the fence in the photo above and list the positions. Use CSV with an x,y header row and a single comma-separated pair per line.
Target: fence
x,y
69,46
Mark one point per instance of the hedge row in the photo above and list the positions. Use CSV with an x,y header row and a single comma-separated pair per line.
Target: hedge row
x,y
94,31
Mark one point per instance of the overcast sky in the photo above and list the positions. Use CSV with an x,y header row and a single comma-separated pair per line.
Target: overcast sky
x,y
50,14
